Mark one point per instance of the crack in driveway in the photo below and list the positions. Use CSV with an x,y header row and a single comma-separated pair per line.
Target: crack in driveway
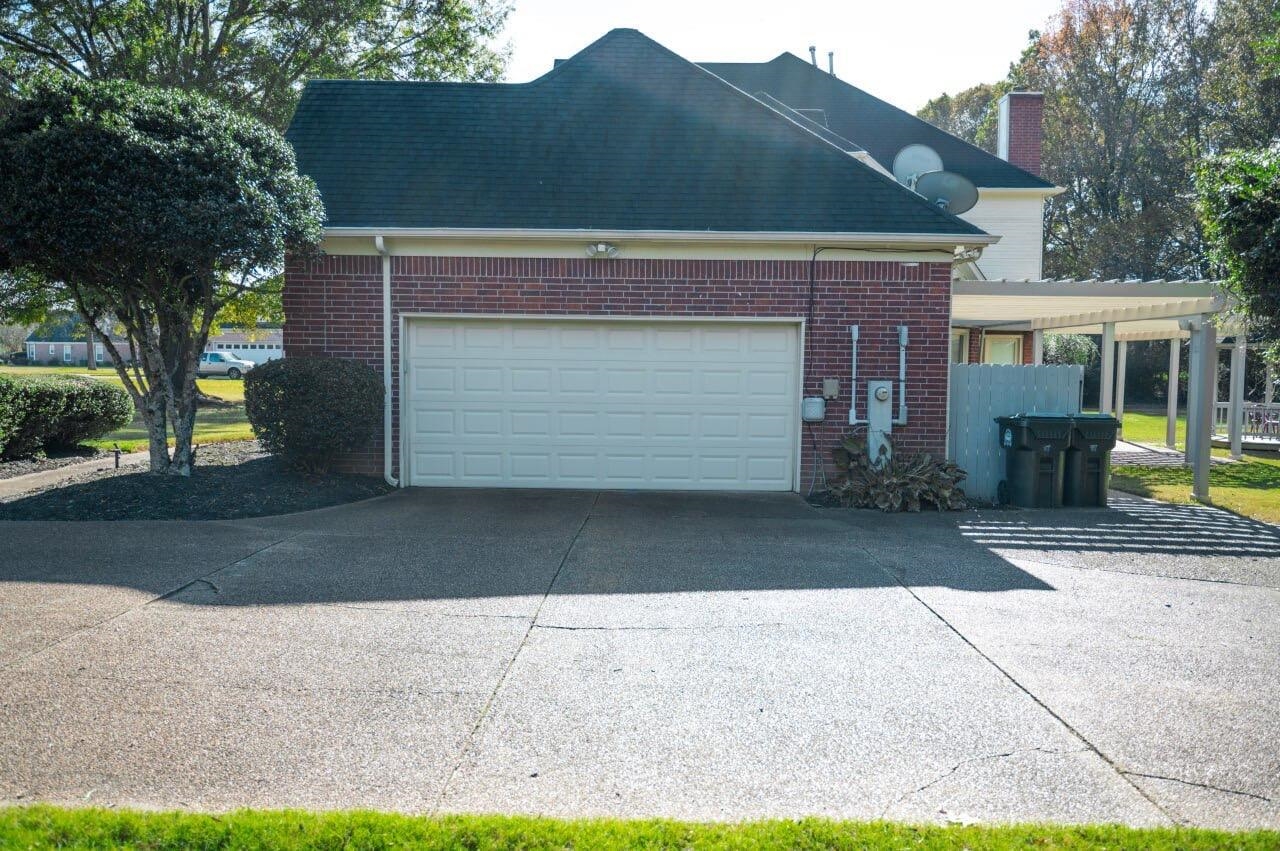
x,y
168,595
969,761
1199,785
707,628
899,577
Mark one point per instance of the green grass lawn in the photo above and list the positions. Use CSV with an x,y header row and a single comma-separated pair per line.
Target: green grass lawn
x,y
1250,487
51,827
213,425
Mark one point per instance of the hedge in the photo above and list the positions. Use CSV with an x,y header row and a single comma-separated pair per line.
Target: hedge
x,y
310,411
43,413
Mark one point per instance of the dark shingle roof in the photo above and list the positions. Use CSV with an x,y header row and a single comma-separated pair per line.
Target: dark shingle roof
x,y
880,127
624,136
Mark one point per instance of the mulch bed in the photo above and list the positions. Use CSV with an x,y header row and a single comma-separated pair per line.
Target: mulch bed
x,y
230,480
10,469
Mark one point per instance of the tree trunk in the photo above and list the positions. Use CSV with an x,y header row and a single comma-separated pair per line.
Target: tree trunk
x,y
153,414
184,424
90,339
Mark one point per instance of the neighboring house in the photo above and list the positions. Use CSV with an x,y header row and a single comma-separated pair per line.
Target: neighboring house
x,y
628,272
54,348
260,346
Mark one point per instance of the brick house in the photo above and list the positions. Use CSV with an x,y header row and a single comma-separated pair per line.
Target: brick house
x,y
626,273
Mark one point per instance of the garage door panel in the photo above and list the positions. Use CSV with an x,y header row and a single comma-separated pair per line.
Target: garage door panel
x,y
584,404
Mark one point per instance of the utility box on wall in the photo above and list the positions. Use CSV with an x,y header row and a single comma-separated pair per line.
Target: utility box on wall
x,y
879,416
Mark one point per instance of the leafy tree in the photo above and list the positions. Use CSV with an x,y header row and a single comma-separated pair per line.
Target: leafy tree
x,y
252,55
1070,349
971,114
1118,78
13,338
156,207
1241,94
1240,208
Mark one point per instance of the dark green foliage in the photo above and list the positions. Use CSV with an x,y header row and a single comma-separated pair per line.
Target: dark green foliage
x,y
311,410
155,209
1240,211
44,413
252,55
900,482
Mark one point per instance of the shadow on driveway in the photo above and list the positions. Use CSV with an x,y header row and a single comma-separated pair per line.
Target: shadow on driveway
x,y
423,544
1138,526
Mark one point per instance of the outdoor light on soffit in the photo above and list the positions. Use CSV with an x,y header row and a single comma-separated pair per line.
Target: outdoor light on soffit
x,y
604,250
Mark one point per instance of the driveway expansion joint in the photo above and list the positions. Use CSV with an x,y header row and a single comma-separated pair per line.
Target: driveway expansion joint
x,y
899,577
506,671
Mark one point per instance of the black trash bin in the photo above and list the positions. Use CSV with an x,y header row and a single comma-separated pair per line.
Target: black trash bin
x,y
1088,460
1033,445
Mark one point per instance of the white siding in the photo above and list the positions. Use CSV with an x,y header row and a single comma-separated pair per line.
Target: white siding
x,y
1019,221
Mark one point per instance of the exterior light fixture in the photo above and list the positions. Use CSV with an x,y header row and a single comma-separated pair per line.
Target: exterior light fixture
x,y
605,250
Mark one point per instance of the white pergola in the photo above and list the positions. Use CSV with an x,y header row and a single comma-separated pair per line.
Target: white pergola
x,y
1123,312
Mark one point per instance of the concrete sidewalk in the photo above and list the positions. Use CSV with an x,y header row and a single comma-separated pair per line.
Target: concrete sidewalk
x,y
19,485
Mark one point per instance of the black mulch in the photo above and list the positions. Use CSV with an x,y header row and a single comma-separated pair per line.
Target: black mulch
x,y
9,469
230,480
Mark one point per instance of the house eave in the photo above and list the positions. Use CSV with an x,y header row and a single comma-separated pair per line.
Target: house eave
x,y
856,240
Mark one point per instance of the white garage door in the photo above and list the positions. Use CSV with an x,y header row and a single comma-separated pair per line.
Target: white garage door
x,y
601,404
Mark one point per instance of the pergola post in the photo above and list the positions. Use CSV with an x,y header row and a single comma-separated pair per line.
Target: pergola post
x,y
1106,392
1235,418
1204,362
1269,392
1171,415
1195,362
1037,347
1122,361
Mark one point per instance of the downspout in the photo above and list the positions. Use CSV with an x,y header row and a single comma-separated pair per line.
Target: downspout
x,y
381,245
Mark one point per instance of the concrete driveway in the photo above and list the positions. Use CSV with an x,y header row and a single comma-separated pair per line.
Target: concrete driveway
x,y
707,657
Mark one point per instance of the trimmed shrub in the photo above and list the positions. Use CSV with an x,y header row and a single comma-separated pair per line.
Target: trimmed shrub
x,y
93,408
11,407
57,412
309,411
900,482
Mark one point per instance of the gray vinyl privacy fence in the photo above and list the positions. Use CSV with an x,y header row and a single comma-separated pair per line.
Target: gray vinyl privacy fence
x,y
982,392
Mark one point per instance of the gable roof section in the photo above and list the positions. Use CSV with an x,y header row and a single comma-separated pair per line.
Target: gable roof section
x,y
878,126
626,136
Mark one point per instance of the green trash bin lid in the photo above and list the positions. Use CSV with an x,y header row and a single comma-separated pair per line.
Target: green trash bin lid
x,y
1048,425
1097,426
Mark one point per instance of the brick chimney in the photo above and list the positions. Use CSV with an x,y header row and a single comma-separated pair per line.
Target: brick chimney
x,y
1020,133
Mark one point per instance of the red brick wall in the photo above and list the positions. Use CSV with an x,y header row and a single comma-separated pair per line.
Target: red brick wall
x,y
334,307
1026,136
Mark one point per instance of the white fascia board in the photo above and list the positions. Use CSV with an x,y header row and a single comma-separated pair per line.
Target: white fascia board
x,y
1156,290
861,240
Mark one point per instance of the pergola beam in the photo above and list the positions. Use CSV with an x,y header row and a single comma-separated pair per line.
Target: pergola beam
x,y
1167,310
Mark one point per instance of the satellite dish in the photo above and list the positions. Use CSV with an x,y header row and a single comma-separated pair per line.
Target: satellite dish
x,y
950,191
913,161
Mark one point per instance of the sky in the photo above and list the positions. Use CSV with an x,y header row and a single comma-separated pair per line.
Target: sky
x,y
903,51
